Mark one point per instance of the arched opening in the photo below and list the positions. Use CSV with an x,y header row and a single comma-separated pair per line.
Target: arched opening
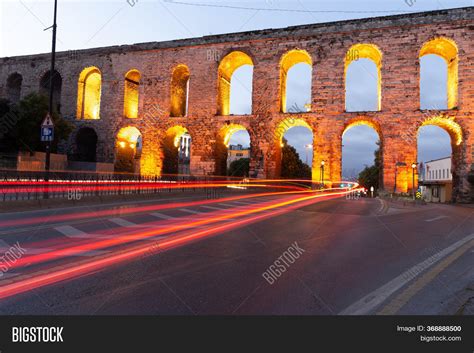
x,y
86,145
130,99
362,154
45,83
363,78
235,88
438,140
233,151
179,91
128,150
295,81
439,74
88,93
13,89
176,151
294,149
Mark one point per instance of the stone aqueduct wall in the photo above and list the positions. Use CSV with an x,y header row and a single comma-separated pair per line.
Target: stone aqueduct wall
x,y
399,38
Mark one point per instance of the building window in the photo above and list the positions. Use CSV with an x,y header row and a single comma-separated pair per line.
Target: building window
x,y
130,99
88,94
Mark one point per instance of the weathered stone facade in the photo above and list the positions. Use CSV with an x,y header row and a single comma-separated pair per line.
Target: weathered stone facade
x,y
399,40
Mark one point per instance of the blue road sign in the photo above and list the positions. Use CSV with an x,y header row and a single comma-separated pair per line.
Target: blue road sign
x,y
47,133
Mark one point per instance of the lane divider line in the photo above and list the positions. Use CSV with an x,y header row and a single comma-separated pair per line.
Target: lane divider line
x,y
372,300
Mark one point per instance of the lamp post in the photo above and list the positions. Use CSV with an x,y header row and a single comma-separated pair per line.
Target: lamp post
x,y
413,167
322,173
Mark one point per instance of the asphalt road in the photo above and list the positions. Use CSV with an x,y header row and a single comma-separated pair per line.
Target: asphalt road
x,y
355,257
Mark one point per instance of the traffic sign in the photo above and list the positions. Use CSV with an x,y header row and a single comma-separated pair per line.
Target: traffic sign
x,y
47,133
47,121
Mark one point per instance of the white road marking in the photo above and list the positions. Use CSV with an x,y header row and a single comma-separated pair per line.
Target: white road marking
x,y
227,204
368,303
161,215
242,202
190,211
72,232
435,219
124,223
213,208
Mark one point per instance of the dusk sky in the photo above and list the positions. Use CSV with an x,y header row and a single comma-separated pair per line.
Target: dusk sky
x,y
87,24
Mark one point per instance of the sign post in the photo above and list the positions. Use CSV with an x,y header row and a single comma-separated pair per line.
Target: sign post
x,y
47,135
372,191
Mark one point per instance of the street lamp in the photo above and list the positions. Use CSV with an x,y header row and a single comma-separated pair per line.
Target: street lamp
x,y
322,173
413,167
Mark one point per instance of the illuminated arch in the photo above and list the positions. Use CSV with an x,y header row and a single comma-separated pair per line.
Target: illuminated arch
x,y
227,131
448,124
129,146
287,124
88,93
227,67
171,148
365,51
363,121
179,91
448,50
129,135
130,99
288,60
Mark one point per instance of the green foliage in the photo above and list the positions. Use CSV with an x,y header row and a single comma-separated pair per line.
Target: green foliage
x,y
370,176
239,167
291,164
24,120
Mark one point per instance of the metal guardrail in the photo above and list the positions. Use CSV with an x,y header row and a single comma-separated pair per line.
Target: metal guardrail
x,y
31,185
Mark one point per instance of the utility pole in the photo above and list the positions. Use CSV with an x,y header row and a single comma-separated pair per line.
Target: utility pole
x,y
51,89
47,161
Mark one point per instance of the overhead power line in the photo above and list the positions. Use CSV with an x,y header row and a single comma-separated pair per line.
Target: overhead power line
x,y
235,7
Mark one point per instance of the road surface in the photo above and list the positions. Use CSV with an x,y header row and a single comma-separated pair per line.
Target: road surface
x,y
183,256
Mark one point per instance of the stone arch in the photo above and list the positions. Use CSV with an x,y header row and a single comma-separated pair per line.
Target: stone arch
x,y
365,51
279,132
455,132
374,125
447,49
172,148
13,88
131,94
128,148
179,91
86,145
227,67
44,87
287,61
88,93
224,135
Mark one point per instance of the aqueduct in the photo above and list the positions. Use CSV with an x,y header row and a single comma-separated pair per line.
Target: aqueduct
x,y
158,91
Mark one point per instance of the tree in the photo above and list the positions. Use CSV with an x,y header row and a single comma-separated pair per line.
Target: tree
x,y
239,167
24,120
291,164
370,176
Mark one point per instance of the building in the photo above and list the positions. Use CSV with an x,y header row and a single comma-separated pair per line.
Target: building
x,y
162,90
436,180
236,152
